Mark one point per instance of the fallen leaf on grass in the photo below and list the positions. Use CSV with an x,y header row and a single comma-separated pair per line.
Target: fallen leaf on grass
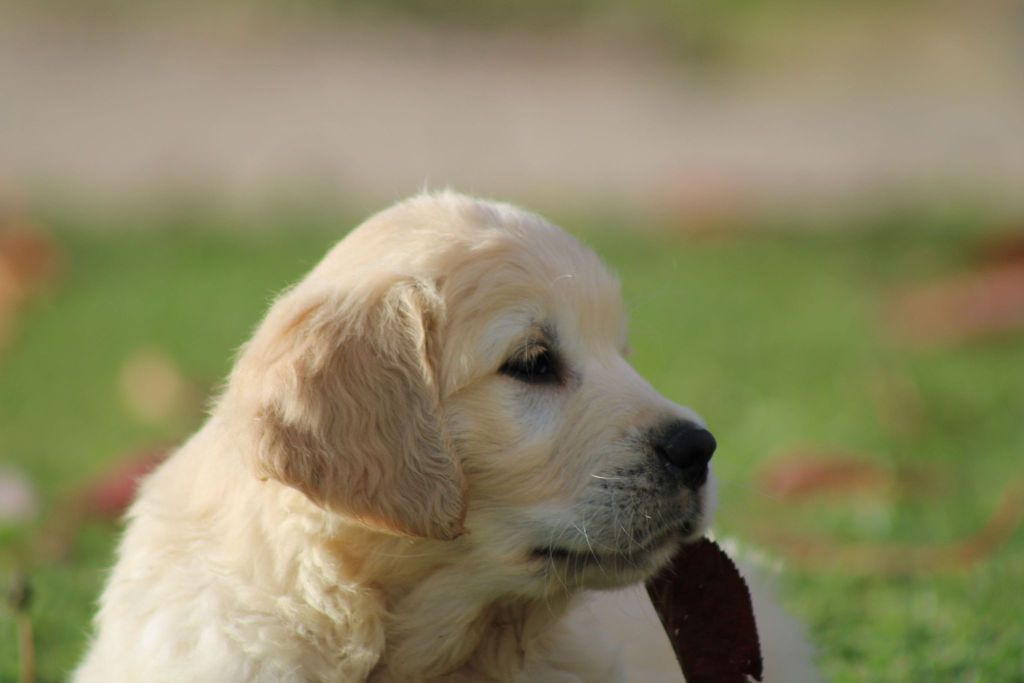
x,y
106,497
29,260
902,559
809,473
110,494
1006,246
980,304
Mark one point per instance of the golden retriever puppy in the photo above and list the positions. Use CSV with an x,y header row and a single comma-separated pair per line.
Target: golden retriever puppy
x,y
431,444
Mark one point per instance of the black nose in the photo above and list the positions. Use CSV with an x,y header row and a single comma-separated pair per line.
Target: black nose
x,y
688,448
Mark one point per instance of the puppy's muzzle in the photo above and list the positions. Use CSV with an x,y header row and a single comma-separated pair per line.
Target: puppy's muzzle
x,y
686,448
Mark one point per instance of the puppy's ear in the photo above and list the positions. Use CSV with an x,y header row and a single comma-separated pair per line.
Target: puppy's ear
x,y
342,403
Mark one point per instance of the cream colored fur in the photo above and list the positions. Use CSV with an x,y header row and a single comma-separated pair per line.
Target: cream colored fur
x,y
368,496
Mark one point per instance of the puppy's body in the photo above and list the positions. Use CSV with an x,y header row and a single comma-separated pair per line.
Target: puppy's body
x,y
429,447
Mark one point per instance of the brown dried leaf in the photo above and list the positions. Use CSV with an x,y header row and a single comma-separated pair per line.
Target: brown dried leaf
x,y
902,559
29,259
704,605
810,473
111,493
976,305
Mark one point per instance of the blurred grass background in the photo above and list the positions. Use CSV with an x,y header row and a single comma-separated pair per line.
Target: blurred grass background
x,y
776,337
770,180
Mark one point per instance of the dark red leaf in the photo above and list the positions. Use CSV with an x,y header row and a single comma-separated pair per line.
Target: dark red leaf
x,y
704,605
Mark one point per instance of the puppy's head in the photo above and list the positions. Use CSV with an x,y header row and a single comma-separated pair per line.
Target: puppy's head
x,y
456,365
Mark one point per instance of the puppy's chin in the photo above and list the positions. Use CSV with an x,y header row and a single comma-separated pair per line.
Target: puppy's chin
x,y
705,504
708,499
579,569
598,569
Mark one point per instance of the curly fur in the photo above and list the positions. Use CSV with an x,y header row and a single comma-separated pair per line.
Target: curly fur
x,y
369,494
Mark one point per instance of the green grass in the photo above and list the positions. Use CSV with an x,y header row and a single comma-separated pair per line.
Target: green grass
x,y
776,338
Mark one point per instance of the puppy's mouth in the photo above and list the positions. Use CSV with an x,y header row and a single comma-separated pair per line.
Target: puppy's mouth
x,y
637,556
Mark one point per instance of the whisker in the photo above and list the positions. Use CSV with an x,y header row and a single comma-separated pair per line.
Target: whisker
x,y
597,560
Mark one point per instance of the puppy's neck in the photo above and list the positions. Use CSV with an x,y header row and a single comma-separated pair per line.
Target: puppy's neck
x,y
435,635
446,614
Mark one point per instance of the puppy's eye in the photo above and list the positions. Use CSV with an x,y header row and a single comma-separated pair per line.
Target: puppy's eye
x,y
535,366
